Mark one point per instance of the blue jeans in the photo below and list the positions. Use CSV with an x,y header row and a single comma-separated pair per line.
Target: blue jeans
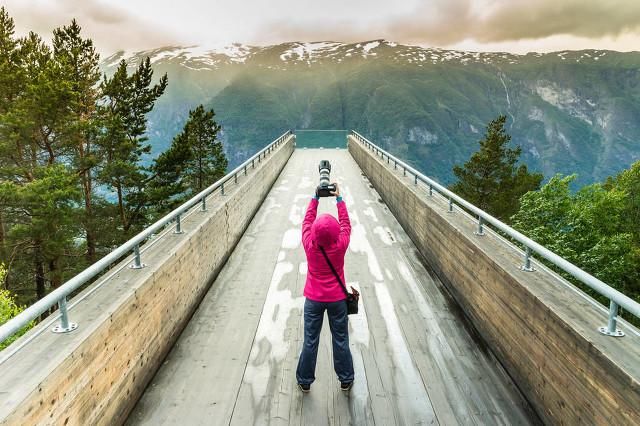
x,y
339,325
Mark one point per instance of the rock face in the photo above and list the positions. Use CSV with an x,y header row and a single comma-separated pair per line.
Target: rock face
x,y
571,112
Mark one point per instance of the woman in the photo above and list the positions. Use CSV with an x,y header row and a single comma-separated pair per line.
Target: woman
x,y
323,292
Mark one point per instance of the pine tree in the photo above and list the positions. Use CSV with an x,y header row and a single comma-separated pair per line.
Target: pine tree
x,y
168,187
77,62
194,161
491,180
209,162
126,101
39,187
10,78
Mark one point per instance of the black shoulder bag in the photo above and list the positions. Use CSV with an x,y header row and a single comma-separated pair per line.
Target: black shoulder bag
x,y
352,298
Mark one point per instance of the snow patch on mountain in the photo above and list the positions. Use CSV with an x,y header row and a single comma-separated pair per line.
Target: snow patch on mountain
x,y
307,51
201,58
370,46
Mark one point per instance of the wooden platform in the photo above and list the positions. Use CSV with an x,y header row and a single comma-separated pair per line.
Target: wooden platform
x,y
416,359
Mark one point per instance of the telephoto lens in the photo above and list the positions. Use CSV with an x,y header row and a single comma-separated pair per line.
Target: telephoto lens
x,y
325,188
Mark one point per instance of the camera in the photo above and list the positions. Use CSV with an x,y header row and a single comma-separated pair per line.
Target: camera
x,y
325,188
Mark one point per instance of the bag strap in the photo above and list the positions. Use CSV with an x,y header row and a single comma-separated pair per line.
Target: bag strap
x,y
334,271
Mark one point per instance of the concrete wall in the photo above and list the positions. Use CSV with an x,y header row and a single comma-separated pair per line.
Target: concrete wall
x,y
542,330
95,374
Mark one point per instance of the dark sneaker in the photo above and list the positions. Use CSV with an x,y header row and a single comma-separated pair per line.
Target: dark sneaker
x,y
346,387
304,388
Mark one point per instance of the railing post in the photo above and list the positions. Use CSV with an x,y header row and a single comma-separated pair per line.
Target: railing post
x,y
450,205
430,190
137,262
65,326
245,170
178,229
222,188
480,230
204,204
610,329
415,179
404,171
235,178
395,165
527,260
253,163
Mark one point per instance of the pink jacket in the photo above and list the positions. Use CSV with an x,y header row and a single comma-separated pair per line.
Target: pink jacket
x,y
321,285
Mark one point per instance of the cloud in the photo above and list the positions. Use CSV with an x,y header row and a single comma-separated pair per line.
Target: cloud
x,y
446,22
285,30
449,22
481,24
585,18
109,27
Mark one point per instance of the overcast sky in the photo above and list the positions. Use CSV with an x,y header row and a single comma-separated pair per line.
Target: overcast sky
x,y
516,26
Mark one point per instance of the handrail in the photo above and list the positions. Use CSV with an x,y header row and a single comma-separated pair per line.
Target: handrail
x,y
615,297
60,294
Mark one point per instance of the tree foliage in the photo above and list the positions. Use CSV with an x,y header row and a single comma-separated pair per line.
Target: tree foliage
x,y
491,179
126,101
593,228
8,310
194,160
72,183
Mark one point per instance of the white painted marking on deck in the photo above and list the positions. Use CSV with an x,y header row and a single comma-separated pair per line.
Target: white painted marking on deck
x,y
388,274
413,400
358,341
292,238
358,324
270,343
305,182
360,244
268,211
385,235
370,213
297,212
281,187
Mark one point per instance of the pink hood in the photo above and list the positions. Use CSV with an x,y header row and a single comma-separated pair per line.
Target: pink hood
x,y
325,230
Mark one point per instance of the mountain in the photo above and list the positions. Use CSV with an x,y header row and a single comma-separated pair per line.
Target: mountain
x,y
570,111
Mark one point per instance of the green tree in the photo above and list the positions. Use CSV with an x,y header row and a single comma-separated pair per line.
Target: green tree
x,y
628,181
44,220
588,228
208,162
77,64
63,133
10,82
194,161
8,310
33,155
168,186
491,178
126,100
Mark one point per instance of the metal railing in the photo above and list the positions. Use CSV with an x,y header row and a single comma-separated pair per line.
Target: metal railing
x,y
616,298
59,295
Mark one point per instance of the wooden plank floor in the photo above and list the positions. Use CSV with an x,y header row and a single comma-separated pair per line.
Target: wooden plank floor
x,y
416,360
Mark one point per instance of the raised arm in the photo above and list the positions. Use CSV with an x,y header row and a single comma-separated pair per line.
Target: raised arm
x,y
309,218
345,224
343,217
